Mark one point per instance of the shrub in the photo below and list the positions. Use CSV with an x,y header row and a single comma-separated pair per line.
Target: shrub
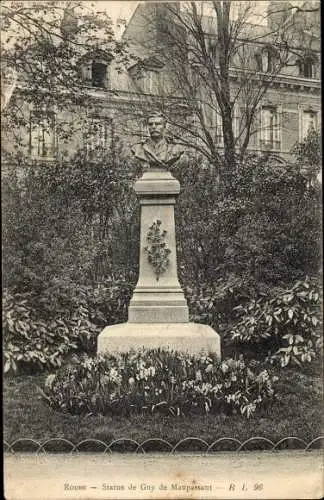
x,y
308,151
265,230
213,303
158,381
74,225
32,344
287,322
41,331
76,220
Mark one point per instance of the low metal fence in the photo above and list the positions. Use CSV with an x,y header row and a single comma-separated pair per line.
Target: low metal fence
x,y
188,444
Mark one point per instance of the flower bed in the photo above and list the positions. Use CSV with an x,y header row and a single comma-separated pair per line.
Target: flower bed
x,y
163,381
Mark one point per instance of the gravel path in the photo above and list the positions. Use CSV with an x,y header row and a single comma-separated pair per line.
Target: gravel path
x,y
269,475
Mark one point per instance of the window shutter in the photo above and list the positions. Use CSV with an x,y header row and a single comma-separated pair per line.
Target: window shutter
x,y
270,128
309,122
235,119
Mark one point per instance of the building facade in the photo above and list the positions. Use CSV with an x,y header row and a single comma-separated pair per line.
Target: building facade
x,y
288,109
120,100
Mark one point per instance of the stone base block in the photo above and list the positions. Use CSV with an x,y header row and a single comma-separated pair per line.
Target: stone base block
x,y
157,313
192,338
158,306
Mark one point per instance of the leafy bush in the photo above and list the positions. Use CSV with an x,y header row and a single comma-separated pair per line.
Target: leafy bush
x,y
40,332
213,303
32,343
264,231
77,220
73,226
288,323
159,381
308,152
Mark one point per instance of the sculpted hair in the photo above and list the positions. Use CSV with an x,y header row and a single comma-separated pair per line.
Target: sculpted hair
x,y
156,114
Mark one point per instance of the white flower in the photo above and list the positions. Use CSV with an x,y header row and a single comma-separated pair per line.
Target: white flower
x,y
114,375
217,388
131,381
205,388
141,365
224,367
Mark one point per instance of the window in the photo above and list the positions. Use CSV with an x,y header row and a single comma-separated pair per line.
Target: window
x,y
98,74
270,128
98,135
307,67
212,48
309,122
94,68
149,81
258,59
42,136
217,123
265,60
142,128
235,119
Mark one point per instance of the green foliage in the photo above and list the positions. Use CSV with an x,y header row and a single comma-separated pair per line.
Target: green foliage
x,y
159,381
213,303
157,250
308,152
238,246
39,332
73,220
264,230
42,46
68,230
287,322
71,227
33,342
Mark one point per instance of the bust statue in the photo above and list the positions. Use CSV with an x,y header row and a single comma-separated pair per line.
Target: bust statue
x,y
157,152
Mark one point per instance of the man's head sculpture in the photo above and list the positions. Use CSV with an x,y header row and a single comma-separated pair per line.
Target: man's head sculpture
x,y
156,124
157,152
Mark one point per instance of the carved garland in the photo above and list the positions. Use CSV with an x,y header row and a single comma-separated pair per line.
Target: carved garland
x,y
157,250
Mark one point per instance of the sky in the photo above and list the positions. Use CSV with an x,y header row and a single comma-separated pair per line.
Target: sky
x,y
125,9
121,9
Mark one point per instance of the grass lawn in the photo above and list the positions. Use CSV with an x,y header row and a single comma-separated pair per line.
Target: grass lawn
x,y
295,412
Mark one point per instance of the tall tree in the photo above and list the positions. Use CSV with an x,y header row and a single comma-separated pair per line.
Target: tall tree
x,y
219,63
42,45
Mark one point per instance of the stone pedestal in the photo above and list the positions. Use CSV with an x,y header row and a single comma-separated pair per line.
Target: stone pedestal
x,y
193,338
158,300
158,313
